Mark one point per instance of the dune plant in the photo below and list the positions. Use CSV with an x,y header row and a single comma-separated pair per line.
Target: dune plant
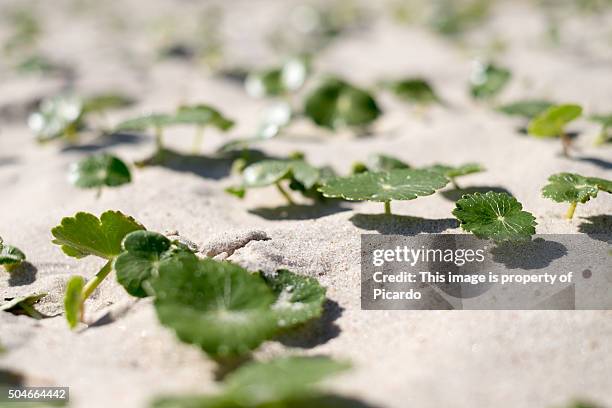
x,y
528,108
198,115
23,305
496,216
417,91
281,382
335,104
605,135
552,123
83,235
10,256
296,173
385,186
452,172
278,81
98,171
574,189
379,162
488,79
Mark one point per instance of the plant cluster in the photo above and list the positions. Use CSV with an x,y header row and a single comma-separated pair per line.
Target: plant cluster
x,y
10,256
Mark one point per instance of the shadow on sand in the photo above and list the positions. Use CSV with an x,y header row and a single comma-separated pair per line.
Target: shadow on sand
x,y
401,224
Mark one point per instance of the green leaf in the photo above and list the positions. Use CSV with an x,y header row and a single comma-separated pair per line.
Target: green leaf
x,y
414,90
23,305
268,172
144,252
85,234
203,115
99,170
106,101
10,256
527,108
57,117
218,306
153,120
383,162
487,80
455,171
336,103
496,216
574,188
604,120
278,81
73,300
400,184
282,382
298,298
551,122
279,379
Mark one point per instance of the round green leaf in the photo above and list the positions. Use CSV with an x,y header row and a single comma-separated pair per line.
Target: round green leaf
x,y
298,298
265,173
336,103
496,216
99,170
487,80
153,120
10,256
73,300
102,102
527,109
144,251
85,234
278,81
218,306
56,117
551,122
455,171
203,115
400,184
383,162
574,188
414,90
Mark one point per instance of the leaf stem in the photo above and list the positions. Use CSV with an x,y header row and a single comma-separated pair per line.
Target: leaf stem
x,y
197,140
388,207
284,193
454,183
570,211
159,143
566,143
92,284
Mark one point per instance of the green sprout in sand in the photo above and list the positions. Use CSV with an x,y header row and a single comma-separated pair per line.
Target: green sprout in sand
x,y
552,123
573,189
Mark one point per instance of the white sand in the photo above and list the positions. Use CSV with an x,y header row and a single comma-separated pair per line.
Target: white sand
x,y
402,358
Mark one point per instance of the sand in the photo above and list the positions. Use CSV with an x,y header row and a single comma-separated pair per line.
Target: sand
x,y
401,358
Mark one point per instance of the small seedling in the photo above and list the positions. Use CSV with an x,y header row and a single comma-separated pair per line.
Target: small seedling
x,y
574,188
605,135
552,122
282,382
10,257
413,90
279,81
84,235
197,115
23,305
300,176
496,216
379,162
452,172
487,80
57,117
99,170
399,184
227,310
336,103
527,109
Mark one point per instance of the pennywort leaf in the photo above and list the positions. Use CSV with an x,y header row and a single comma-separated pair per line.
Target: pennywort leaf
x,y
528,109
288,78
452,172
85,234
488,79
413,90
496,216
202,115
152,120
99,170
573,188
552,122
282,382
398,184
106,101
57,117
23,305
10,256
73,300
379,162
336,103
